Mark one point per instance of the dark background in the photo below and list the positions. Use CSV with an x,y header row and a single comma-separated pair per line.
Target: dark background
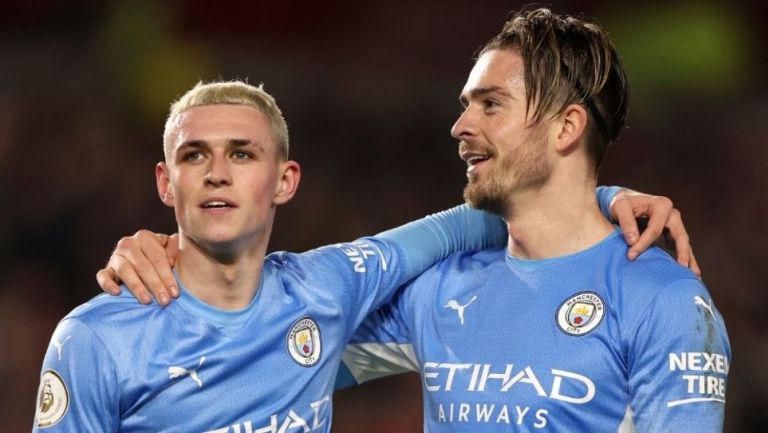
x,y
370,92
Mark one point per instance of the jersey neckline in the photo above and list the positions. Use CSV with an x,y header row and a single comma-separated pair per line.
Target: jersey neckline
x,y
533,265
229,320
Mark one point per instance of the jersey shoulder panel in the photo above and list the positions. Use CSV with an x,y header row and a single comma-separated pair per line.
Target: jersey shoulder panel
x,y
78,382
110,314
458,269
352,278
654,268
635,285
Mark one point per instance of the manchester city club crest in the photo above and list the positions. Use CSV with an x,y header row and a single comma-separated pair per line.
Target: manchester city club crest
x,y
581,313
304,343
52,399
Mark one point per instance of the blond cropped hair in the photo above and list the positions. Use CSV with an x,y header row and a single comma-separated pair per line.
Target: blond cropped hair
x,y
232,93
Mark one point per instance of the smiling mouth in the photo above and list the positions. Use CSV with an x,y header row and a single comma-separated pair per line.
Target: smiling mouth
x,y
477,159
217,204
474,159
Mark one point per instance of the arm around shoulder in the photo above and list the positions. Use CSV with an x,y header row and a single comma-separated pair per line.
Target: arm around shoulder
x,y
426,241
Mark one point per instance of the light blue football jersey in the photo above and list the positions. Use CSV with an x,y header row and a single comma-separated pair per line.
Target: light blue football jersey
x,y
589,342
116,365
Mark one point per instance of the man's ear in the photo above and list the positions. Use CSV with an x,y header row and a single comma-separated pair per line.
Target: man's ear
x,y
288,183
164,187
572,128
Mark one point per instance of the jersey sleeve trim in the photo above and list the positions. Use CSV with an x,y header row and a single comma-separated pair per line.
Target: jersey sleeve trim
x,y
368,361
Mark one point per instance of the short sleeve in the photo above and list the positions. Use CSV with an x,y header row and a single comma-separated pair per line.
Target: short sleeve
x,y
78,388
678,362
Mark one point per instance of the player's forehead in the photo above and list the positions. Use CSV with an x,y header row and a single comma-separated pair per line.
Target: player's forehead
x,y
211,123
499,69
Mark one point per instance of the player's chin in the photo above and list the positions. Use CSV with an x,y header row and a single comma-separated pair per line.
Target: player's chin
x,y
218,239
479,197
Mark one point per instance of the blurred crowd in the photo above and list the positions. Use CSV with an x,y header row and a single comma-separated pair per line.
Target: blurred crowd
x,y
369,90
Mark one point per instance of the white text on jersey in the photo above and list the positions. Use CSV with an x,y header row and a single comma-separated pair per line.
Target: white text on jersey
x,y
291,422
477,377
358,252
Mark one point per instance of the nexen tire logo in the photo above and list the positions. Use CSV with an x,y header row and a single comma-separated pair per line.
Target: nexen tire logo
x,y
479,378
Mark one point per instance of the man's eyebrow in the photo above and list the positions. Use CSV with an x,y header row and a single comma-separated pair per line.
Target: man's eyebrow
x,y
482,91
240,142
233,142
479,92
236,143
195,144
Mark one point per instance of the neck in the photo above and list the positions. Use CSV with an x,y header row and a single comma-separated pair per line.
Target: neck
x,y
227,277
562,217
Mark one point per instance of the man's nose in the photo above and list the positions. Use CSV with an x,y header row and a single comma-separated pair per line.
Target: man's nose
x,y
464,126
218,172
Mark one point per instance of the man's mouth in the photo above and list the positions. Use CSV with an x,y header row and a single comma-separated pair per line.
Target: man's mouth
x,y
474,158
217,204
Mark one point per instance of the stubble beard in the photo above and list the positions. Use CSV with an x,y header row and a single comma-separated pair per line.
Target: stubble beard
x,y
523,168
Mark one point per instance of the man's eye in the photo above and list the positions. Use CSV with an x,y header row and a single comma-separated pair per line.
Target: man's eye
x,y
490,103
241,155
193,156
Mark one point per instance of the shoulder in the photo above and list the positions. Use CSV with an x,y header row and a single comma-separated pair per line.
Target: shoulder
x,y
652,275
631,287
321,257
471,261
115,328
310,276
106,314
654,269
107,305
654,287
460,269
287,267
342,261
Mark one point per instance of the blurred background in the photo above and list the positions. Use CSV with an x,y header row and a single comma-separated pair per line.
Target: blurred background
x,y
370,92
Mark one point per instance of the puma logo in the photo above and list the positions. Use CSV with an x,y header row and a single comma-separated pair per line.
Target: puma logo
x,y
174,372
454,305
698,300
60,345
